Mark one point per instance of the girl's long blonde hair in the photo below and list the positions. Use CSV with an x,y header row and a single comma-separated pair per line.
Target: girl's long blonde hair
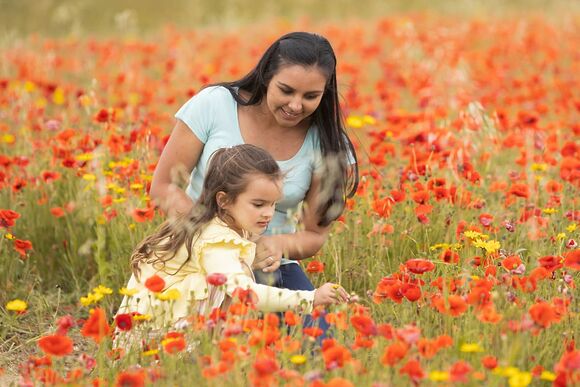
x,y
228,171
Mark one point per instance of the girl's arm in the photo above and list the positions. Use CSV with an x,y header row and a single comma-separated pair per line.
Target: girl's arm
x,y
180,155
224,258
302,244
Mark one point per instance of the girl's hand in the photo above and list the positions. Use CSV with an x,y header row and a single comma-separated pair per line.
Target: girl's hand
x,y
268,254
329,294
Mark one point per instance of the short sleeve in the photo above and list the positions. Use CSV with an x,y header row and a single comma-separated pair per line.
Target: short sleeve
x,y
198,113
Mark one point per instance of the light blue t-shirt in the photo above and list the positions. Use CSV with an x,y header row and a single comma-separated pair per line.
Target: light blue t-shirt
x,y
212,115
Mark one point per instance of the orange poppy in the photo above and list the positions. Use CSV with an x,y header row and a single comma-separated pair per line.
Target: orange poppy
x,y
131,379
364,325
572,260
543,314
459,371
155,283
96,326
336,357
413,369
489,362
56,345
141,215
394,353
8,218
22,247
315,267
419,266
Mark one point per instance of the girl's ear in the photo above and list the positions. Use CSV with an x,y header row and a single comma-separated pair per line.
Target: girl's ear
x,y
222,199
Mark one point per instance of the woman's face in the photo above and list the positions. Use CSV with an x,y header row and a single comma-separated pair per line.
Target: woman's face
x,y
294,93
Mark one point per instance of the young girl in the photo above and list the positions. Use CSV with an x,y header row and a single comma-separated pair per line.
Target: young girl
x,y
240,191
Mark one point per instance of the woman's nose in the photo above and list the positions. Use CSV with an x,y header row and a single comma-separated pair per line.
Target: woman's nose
x,y
296,104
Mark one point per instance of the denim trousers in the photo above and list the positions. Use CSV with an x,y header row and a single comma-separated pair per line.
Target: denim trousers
x,y
291,276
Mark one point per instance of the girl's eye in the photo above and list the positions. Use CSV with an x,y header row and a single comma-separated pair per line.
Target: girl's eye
x,y
285,91
258,205
311,97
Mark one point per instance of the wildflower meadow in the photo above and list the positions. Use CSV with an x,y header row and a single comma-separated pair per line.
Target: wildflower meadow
x,y
460,247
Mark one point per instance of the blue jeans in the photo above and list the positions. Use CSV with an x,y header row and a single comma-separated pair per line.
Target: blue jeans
x,y
291,276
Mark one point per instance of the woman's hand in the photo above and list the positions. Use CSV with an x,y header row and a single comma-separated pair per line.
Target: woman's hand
x,y
268,254
329,294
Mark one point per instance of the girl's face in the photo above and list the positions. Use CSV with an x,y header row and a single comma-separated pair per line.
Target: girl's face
x,y
294,93
253,209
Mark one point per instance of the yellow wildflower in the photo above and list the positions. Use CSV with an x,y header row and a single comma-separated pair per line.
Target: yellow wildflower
x,y
103,290
489,246
547,375
549,210
85,157
119,200
369,120
8,138
29,86
16,305
520,379
572,227
505,371
439,376
9,236
539,167
470,347
89,177
354,122
58,96
128,292
561,236
171,294
475,235
151,352
88,300
142,317
298,359
136,186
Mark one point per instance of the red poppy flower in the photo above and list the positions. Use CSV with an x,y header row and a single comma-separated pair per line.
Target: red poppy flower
x,y
7,218
459,371
486,219
336,357
512,262
56,345
266,366
174,342
489,362
520,190
550,262
124,321
131,379
394,353
57,212
216,279
413,369
141,215
96,326
313,331
364,325
572,260
245,296
543,314
315,267
290,318
411,292
22,246
419,266
155,283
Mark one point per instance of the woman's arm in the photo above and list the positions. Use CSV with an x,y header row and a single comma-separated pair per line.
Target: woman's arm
x,y
179,156
302,244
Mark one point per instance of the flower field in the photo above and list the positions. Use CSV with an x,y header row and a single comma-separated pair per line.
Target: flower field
x,y
461,244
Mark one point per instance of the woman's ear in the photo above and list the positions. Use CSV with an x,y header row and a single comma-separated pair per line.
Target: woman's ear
x,y
222,199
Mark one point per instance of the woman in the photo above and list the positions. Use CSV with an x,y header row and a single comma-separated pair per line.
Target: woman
x,y
287,105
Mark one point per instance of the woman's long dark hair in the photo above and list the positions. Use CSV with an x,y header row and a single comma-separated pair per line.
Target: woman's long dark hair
x,y
338,180
229,171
